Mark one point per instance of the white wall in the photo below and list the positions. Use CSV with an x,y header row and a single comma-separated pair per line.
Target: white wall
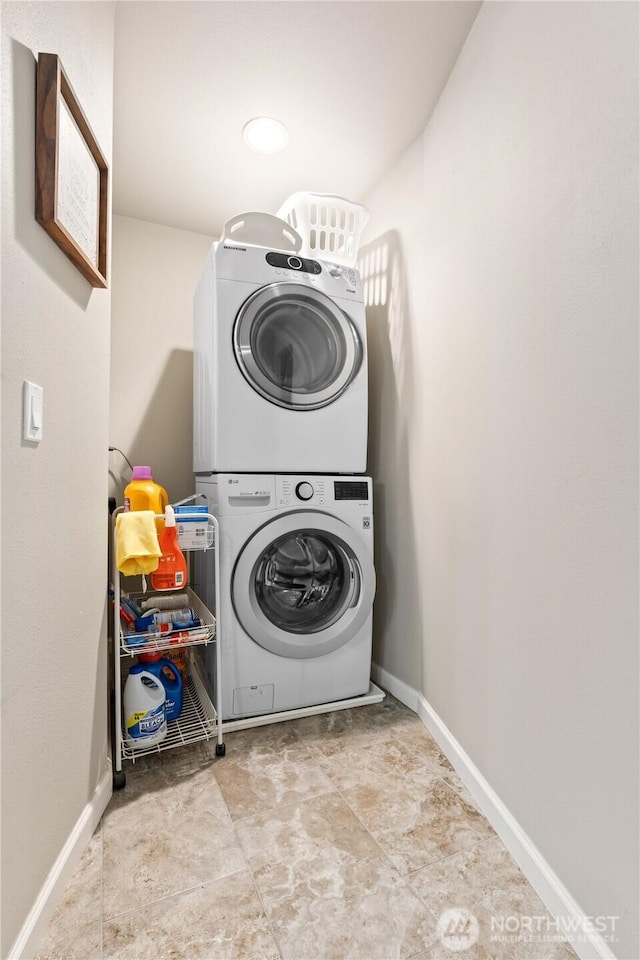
x,y
155,273
505,428
55,331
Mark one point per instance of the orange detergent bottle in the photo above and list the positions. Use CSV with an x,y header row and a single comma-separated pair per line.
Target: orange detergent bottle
x,y
172,566
142,493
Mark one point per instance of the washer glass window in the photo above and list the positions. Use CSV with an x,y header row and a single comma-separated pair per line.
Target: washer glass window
x,y
295,346
303,582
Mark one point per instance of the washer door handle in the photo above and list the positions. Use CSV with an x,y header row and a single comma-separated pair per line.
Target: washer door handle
x,y
355,583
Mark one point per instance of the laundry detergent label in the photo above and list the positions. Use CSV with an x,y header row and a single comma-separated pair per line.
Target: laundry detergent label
x,y
145,723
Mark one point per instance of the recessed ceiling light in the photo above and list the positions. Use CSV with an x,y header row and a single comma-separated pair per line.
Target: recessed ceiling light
x,y
265,135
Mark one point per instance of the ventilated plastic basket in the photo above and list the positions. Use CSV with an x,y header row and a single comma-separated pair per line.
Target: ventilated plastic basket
x,y
263,230
330,226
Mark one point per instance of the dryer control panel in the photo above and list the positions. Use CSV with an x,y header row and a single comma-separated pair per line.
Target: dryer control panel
x,y
290,261
260,266
339,280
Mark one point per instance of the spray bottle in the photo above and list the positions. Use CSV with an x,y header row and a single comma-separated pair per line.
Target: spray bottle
x,y
171,573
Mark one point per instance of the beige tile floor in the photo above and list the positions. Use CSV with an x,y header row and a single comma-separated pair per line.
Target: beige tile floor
x,y
344,835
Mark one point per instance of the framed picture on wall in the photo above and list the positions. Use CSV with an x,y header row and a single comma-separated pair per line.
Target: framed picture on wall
x,y
72,175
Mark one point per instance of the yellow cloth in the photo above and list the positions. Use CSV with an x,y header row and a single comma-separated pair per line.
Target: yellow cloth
x,y
137,547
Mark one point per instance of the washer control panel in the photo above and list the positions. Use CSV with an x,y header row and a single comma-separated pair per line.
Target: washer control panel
x,y
314,491
295,491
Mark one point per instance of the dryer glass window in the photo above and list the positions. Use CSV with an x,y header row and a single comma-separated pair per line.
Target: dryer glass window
x,y
295,346
303,582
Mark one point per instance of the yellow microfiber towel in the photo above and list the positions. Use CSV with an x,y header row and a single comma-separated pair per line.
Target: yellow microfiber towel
x,y
137,547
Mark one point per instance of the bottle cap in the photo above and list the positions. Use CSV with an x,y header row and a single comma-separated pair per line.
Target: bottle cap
x,y
142,473
149,657
169,516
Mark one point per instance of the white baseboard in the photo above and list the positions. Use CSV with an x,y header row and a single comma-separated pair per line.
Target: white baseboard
x,y
35,925
553,893
397,688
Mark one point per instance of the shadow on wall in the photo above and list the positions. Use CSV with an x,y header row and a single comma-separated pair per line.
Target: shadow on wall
x,y
397,641
101,721
164,438
28,232
119,475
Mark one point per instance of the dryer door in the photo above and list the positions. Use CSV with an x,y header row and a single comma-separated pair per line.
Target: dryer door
x,y
295,346
303,585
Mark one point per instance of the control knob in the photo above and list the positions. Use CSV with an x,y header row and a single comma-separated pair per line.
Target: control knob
x,y
304,491
335,271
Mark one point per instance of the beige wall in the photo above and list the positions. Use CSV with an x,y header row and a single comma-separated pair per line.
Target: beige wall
x,y
55,331
155,273
505,428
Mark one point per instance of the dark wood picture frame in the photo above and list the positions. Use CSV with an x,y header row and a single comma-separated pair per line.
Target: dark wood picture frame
x,y
53,94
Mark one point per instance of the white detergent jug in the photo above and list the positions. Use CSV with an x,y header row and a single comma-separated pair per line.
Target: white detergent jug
x,y
144,709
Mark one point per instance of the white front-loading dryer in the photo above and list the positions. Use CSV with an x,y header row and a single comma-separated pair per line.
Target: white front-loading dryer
x,y
280,364
297,584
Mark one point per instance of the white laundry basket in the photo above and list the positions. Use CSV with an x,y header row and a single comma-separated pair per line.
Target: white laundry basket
x,y
263,230
330,226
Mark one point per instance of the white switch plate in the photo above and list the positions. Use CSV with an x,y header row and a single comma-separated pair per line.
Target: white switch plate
x,y
32,410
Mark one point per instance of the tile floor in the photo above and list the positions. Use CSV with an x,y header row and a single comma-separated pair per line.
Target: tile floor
x,y
344,835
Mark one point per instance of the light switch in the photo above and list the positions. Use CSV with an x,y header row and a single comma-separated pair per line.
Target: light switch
x,y
32,411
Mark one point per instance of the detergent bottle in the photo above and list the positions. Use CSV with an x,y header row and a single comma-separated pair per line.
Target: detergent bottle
x,y
171,573
144,708
171,679
178,657
142,493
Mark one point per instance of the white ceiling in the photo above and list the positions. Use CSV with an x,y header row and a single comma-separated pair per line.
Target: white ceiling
x,y
354,82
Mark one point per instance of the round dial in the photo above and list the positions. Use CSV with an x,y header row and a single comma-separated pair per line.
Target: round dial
x,y
304,491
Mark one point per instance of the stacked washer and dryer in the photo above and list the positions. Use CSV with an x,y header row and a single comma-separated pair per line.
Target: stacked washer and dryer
x,y
280,441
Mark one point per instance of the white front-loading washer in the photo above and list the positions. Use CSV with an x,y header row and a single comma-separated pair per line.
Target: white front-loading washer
x,y
280,364
296,589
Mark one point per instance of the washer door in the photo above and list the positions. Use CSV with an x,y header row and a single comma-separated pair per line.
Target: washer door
x,y
303,585
295,346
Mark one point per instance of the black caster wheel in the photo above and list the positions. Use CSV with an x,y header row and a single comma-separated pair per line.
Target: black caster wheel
x,y
119,780
221,749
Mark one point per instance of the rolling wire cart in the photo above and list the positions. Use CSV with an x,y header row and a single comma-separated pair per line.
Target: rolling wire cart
x,y
200,717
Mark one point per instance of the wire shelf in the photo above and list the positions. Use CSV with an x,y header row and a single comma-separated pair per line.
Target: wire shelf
x,y
197,721
135,643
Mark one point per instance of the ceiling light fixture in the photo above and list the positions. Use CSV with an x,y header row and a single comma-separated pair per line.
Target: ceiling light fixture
x,y
265,135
